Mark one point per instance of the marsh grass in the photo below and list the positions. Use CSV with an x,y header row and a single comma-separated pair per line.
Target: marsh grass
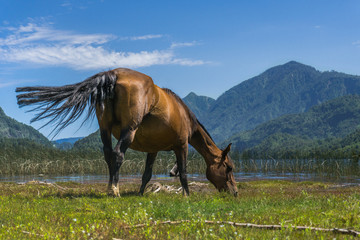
x,y
84,211
321,168
79,163
55,162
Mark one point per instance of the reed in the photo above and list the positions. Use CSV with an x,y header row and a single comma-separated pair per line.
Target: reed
x,y
90,163
321,168
51,161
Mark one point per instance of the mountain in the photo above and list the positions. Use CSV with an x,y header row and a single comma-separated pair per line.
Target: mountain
x,y
335,119
200,105
285,89
91,143
65,143
10,128
286,146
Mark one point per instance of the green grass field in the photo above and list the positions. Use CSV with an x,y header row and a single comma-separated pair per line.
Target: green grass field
x,y
85,211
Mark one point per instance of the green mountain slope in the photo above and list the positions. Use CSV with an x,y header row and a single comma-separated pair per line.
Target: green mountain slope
x,y
91,143
334,122
286,146
285,89
10,128
200,105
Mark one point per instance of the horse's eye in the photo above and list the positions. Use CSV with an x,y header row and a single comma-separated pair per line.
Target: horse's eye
x,y
229,168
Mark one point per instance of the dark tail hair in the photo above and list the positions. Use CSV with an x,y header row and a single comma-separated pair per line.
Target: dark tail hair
x,y
64,105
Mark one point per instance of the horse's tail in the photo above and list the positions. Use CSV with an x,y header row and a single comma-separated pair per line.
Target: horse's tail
x,y
64,105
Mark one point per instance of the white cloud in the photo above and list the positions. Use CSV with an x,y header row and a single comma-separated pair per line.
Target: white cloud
x,y
146,37
356,43
143,37
11,83
6,84
47,46
66,4
32,34
89,57
183,44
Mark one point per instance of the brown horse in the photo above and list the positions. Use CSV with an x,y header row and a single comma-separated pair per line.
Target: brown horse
x,y
141,116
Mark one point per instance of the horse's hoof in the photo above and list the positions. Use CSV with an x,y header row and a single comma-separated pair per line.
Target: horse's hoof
x,y
113,192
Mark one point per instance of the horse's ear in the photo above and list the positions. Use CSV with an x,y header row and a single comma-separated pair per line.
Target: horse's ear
x,y
227,150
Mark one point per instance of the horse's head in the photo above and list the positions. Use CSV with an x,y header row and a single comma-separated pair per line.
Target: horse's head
x,y
221,174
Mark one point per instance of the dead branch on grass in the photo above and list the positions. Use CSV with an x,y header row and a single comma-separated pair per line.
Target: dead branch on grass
x,y
45,183
29,233
258,226
157,187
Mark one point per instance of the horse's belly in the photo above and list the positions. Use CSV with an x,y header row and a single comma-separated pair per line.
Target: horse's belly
x,y
153,137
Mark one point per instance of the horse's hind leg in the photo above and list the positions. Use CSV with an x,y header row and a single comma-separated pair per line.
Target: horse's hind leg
x,y
118,154
181,155
148,171
107,147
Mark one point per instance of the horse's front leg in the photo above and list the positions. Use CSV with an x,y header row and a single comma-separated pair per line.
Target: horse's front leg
x,y
181,156
148,171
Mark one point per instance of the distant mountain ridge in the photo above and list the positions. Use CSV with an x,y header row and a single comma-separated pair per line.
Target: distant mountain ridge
x,y
199,105
289,88
66,143
12,129
335,119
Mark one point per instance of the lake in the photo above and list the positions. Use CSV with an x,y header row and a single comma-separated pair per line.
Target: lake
x,y
240,177
340,171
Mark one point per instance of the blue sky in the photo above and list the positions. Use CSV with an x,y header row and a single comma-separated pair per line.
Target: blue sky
x,y
202,46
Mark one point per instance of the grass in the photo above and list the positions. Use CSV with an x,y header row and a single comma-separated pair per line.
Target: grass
x,y
84,211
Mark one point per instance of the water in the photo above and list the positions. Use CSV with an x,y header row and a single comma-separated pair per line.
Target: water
x,y
240,177
332,170
90,178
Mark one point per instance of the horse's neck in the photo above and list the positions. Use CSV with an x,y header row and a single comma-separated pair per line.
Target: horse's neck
x,y
202,142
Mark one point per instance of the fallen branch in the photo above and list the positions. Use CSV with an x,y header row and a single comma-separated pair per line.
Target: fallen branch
x,y
29,233
258,226
158,223
279,227
157,187
34,182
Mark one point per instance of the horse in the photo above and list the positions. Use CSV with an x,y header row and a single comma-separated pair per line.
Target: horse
x,y
140,115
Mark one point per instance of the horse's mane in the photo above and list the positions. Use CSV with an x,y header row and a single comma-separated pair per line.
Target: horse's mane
x,y
194,121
